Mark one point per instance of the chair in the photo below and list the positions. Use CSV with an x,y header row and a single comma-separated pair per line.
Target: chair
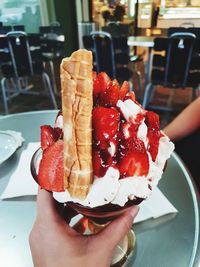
x,y
52,44
110,55
194,30
88,44
5,29
103,50
19,28
19,61
175,64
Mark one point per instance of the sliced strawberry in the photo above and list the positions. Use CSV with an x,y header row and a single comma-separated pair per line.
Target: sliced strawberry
x,y
154,137
133,144
134,164
96,160
102,160
103,80
130,95
51,169
58,133
105,124
110,96
123,90
46,136
153,134
96,85
152,120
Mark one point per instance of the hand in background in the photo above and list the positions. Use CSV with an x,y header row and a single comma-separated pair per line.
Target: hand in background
x,y
54,243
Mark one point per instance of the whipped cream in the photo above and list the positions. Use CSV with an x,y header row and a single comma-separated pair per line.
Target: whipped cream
x,y
129,109
111,189
112,149
59,121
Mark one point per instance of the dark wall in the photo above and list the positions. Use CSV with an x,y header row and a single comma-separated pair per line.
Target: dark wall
x,y
65,11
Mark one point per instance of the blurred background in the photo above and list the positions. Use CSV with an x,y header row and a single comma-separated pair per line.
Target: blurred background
x,y
63,26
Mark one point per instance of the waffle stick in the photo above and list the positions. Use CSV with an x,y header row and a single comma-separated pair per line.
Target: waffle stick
x,y
77,87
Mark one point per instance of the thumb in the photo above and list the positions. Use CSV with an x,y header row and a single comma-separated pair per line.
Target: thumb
x,y
117,229
46,206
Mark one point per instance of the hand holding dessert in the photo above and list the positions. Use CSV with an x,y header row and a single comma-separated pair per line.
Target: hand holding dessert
x,y
54,243
104,154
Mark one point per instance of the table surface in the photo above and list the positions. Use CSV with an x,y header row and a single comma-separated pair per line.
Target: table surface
x,y
145,41
169,241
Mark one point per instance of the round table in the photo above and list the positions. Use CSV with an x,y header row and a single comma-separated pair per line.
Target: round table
x,y
171,240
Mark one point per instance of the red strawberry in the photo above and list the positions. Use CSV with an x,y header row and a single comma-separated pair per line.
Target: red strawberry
x,y
58,133
105,124
47,136
103,80
152,120
101,161
123,90
96,85
130,95
154,137
134,164
133,144
96,160
110,96
51,170
153,134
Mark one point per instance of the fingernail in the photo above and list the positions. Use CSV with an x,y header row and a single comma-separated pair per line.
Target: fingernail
x,y
134,211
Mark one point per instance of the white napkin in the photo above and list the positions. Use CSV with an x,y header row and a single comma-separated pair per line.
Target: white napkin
x,y
21,183
154,206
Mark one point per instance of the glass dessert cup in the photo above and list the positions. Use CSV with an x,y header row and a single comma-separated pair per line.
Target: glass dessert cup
x,y
99,217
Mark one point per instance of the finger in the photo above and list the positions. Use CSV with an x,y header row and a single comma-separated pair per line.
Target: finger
x,y
46,205
49,214
117,229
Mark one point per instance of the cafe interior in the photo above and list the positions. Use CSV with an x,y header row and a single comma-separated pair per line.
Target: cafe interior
x,y
154,45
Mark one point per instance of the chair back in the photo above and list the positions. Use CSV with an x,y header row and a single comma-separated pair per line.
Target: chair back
x,y
18,54
122,58
19,28
173,61
110,54
5,29
104,52
34,40
194,30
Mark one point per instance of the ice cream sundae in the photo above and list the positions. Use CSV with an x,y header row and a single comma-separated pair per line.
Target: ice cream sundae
x,y
104,148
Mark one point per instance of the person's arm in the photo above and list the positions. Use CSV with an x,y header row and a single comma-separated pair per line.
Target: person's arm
x,y
187,122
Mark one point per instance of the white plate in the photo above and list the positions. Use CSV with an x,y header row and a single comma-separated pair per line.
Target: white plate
x,y
8,145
